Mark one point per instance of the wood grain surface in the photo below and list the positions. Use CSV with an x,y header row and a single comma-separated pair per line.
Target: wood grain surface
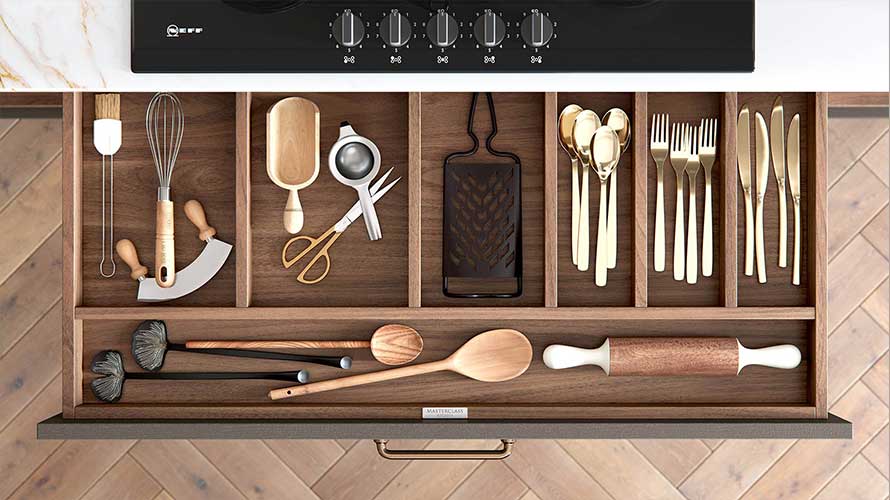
x,y
676,356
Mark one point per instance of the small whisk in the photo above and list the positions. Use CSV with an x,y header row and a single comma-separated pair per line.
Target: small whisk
x,y
164,124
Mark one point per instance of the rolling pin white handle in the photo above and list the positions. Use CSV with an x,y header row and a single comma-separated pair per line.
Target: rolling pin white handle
x,y
559,356
293,213
195,213
785,356
165,260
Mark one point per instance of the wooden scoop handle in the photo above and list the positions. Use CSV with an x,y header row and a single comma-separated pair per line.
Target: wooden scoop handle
x,y
126,250
365,378
278,344
195,212
165,254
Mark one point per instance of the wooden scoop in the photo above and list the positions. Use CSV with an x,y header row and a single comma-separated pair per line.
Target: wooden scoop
x,y
292,152
492,356
390,344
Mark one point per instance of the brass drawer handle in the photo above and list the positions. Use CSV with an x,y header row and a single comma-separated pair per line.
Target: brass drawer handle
x,y
499,454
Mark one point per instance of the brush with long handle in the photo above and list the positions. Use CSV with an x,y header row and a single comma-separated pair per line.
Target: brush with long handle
x,y
110,388
164,123
150,346
107,140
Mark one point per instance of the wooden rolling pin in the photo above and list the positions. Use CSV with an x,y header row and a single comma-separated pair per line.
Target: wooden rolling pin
x,y
672,356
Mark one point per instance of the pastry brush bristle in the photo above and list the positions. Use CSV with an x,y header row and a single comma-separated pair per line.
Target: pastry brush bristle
x,y
108,106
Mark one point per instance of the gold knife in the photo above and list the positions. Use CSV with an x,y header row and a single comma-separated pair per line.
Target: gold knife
x,y
777,143
743,155
762,170
794,184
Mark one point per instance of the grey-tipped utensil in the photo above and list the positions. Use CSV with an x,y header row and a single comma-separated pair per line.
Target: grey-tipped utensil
x,y
149,346
110,388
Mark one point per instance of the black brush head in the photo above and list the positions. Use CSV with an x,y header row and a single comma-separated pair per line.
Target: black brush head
x,y
149,344
110,387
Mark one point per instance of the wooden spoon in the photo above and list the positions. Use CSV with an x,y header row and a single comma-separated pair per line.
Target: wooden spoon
x,y
492,356
390,344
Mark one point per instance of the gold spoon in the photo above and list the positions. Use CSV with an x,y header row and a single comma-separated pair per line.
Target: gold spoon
x,y
604,153
617,120
566,123
585,126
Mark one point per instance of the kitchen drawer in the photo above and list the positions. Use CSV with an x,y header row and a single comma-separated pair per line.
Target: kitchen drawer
x,y
222,164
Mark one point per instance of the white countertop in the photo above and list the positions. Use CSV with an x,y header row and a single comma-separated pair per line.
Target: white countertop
x,y
802,45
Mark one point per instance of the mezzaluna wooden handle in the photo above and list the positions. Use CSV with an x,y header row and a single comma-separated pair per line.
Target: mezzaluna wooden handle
x,y
278,344
365,378
165,255
126,250
195,213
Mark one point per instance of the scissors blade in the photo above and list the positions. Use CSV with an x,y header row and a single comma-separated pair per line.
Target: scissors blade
x,y
356,211
379,182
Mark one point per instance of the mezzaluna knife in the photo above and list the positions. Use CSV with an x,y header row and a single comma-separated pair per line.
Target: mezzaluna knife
x,y
794,184
777,143
762,170
743,155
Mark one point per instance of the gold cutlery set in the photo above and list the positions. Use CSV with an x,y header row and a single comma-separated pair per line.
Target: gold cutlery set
x,y
690,149
772,140
595,144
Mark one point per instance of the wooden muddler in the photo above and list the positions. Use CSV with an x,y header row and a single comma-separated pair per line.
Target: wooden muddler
x,y
672,356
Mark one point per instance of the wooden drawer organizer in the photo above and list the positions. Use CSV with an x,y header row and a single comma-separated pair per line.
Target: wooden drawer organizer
x,y
222,163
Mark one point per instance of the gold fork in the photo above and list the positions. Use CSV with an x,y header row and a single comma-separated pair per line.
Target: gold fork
x,y
679,156
707,153
692,167
658,147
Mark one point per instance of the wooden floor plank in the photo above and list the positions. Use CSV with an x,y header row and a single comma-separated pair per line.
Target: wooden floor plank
x,y
622,470
733,468
878,452
72,469
877,232
361,473
877,305
26,149
491,481
182,470
163,495
853,201
6,125
849,139
309,459
254,469
712,443
39,205
530,495
440,478
20,451
877,379
876,159
552,473
859,480
856,345
798,475
675,458
856,272
31,291
127,480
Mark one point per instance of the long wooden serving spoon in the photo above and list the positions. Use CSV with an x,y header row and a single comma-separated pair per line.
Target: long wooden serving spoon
x,y
390,344
492,356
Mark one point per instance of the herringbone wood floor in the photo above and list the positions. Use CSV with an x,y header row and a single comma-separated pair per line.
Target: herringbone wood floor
x,y
30,283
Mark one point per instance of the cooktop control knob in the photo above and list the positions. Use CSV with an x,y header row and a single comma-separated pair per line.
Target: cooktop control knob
x,y
348,29
536,29
395,29
489,29
442,29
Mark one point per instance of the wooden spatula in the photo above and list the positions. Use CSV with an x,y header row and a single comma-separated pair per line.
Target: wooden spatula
x,y
292,152
492,356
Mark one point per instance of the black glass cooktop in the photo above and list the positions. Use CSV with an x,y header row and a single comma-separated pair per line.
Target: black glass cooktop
x,y
441,36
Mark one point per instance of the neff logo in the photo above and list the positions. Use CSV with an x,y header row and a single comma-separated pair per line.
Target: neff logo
x,y
174,31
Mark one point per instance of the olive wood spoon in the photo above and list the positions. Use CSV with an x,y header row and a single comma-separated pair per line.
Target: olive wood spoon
x,y
492,356
390,344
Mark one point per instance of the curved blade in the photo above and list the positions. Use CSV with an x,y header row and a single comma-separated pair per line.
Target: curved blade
x,y
193,277
794,156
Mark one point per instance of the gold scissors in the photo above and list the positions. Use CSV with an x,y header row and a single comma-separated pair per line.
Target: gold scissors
x,y
331,235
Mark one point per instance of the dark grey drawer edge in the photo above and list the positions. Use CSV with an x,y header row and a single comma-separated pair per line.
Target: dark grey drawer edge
x,y
60,428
